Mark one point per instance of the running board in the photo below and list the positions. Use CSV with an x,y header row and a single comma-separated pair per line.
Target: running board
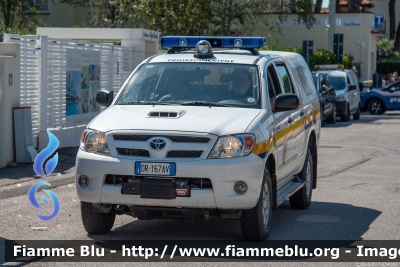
x,y
289,190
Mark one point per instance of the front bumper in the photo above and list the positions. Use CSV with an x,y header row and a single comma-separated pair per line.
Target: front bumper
x,y
223,173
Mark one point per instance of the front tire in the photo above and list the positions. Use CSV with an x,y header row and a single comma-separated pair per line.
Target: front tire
x,y
256,222
356,116
332,118
346,116
96,223
375,107
302,198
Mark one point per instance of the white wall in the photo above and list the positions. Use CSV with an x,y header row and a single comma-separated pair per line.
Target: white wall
x,y
9,98
293,35
382,7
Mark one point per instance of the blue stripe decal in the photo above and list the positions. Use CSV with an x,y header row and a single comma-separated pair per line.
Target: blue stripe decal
x,y
262,155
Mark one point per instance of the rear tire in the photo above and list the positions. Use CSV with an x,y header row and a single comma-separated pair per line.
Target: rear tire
x,y
302,198
96,223
356,116
332,118
346,116
256,222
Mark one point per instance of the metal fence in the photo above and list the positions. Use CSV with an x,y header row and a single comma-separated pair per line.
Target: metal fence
x,y
43,75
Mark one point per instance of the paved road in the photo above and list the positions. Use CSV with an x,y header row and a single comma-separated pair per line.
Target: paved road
x,y
357,196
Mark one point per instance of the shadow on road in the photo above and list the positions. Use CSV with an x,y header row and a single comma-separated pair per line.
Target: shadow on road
x,y
364,119
322,221
66,161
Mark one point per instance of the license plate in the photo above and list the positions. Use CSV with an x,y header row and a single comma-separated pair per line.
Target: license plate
x,y
155,168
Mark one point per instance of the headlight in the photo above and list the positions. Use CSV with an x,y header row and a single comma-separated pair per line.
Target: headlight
x,y
340,98
94,142
232,146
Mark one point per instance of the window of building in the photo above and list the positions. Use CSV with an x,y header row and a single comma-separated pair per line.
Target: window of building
x,y
41,6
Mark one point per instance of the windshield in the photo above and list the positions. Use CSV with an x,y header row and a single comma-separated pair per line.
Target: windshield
x,y
214,84
338,82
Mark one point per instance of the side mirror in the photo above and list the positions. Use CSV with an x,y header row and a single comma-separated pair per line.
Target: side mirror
x,y
285,102
392,90
325,88
352,87
105,97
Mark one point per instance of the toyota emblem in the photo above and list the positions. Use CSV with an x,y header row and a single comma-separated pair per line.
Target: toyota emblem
x,y
158,144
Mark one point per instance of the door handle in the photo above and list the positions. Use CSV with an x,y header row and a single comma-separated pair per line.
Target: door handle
x,y
301,113
277,128
290,120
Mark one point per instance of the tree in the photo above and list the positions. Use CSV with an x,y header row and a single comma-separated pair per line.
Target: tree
x,y
347,60
173,17
386,45
201,17
274,46
392,18
318,7
218,17
323,56
9,10
18,18
354,6
108,13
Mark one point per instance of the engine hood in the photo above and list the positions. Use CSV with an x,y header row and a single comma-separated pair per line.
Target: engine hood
x,y
214,120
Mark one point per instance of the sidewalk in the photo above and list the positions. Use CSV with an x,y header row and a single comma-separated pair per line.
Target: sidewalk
x,y
24,172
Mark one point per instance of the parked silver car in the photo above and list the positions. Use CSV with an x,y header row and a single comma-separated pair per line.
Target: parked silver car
x,y
347,90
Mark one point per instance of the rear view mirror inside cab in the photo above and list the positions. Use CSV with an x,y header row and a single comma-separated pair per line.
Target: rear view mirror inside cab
x,y
198,74
225,78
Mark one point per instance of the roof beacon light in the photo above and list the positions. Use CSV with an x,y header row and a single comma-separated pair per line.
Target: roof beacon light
x,y
182,42
238,42
329,67
203,49
216,42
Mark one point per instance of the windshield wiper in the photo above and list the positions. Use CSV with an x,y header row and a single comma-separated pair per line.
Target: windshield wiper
x,y
204,103
146,103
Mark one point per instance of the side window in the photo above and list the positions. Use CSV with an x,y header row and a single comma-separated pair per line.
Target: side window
x,y
323,82
284,76
396,87
274,87
348,81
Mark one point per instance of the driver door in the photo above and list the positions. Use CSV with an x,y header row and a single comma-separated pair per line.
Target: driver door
x,y
282,133
394,96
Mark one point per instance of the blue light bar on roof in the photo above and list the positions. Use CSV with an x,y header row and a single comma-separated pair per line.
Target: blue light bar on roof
x,y
216,42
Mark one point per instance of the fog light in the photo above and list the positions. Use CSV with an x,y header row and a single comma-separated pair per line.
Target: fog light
x,y
83,181
240,187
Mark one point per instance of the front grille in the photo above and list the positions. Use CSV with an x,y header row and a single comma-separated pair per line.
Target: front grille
x,y
133,152
174,213
178,139
131,137
200,183
154,213
184,153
